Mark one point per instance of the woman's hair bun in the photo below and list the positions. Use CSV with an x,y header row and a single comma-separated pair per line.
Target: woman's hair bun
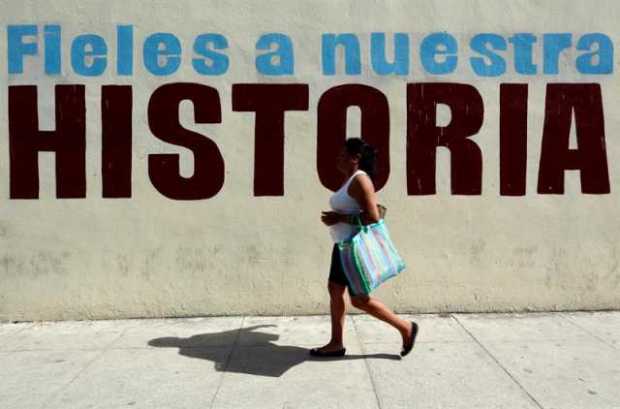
x,y
368,154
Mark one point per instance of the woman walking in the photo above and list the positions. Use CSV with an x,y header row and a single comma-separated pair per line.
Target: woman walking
x,y
356,197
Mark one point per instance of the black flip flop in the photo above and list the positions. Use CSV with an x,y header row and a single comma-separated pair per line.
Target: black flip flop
x,y
414,332
327,354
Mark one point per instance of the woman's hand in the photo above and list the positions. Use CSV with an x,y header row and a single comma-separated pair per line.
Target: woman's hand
x,y
331,218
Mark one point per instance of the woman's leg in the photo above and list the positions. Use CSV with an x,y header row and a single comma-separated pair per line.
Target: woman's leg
x,y
377,309
337,309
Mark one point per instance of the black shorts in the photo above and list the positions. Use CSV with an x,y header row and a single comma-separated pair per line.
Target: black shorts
x,y
336,273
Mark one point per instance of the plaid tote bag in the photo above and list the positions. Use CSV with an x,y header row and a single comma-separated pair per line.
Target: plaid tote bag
x,y
369,258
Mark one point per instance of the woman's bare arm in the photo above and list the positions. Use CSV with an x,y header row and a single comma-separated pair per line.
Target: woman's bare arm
x,y
363,191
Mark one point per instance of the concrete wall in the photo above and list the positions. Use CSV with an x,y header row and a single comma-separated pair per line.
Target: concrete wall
x,y
239,252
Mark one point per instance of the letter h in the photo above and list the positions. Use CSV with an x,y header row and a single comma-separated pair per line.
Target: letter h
x,y
68,141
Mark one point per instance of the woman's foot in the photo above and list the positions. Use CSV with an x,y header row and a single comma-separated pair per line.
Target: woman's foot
x,y
409,339
328,350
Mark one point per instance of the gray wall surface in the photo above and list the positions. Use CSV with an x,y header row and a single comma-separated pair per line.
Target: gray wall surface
x,y
242,252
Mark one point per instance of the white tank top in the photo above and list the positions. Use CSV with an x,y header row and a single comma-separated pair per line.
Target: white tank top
x,y
341,202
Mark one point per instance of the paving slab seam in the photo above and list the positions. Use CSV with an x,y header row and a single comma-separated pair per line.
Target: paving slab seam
x,y
228,358
150,348
529,395
363,349
105,349
567,318
53,350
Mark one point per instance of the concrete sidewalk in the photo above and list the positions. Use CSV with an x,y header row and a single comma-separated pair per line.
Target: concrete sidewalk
x,y
543,360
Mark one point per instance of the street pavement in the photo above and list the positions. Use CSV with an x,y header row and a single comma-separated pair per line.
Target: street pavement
x,y
538,360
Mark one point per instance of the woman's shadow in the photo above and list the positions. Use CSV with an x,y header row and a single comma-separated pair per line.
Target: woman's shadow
x,y
252,352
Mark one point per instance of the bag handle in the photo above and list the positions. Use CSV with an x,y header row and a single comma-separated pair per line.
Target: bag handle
x,y
359,221
382,210
362,227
